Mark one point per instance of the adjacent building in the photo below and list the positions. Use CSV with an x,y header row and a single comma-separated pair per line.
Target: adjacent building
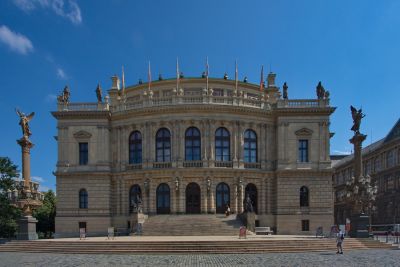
x,y
381,160
194,145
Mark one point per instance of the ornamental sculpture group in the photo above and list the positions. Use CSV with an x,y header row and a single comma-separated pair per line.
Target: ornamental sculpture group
x,y
360,190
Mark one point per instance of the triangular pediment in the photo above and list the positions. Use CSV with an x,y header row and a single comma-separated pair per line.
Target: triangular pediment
x,y
304,131
394,133
82,135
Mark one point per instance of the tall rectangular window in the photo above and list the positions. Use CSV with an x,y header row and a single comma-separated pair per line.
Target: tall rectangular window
x,y
83,154
305,225
303,150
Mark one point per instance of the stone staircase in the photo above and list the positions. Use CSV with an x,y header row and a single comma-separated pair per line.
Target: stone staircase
x,y
191,225
234,246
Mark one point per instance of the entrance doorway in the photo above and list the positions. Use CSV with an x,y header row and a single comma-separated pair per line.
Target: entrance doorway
x,y
163,199
193,198
223,197
251,191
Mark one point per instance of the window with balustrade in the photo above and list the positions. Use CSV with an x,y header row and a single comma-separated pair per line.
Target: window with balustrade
x,y
222,145
135,148
83,153
192,144
163,145
303,150
250,146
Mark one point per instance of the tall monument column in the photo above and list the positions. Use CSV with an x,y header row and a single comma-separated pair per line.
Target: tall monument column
x,y
27,223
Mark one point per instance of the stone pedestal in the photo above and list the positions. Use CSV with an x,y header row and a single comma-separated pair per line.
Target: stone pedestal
x,y
359,226
249,220
27,228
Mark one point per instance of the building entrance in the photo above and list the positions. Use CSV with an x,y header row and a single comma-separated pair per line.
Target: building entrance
x,y
163,199
193,198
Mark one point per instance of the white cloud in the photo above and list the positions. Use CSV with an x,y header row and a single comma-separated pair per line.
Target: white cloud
x,y
37,179
68,9
15,41
61,74
43,188
51,98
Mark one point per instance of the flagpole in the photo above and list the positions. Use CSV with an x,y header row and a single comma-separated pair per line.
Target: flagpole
x,y
123,81
262,79
236,77
207,73
149,78
177,75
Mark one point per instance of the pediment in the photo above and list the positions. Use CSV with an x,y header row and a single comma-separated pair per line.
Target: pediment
x,y
304,131
82,135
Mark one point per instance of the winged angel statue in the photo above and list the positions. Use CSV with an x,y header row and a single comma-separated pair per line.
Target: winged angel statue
x,y
357,116
24,122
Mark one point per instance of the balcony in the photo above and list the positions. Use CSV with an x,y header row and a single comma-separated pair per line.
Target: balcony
x,y
162,165
193,164
252,165
136,166
224,164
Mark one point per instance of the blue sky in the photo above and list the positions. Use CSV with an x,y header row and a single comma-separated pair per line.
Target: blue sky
x,y
351,46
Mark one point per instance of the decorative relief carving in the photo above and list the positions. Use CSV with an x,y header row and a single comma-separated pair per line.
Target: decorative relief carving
x,y
304,132
82,135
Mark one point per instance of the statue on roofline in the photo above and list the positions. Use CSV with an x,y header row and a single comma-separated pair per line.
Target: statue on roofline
x,y
64,97
320,91
99,94
285,91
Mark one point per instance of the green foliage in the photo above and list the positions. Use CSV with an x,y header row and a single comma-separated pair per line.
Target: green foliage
x,y
46,215
8,213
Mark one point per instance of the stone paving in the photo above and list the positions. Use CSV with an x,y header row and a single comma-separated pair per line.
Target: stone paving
x,y
352,258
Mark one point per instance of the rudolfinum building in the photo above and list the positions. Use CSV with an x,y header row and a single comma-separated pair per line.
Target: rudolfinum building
x,y
194,145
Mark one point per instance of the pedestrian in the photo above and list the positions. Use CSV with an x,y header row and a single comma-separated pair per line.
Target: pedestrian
x,y
339,242
227,210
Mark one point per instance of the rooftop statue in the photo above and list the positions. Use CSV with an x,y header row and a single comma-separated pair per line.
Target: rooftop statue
x,y
24,122
160,78
64,97
285,91
357,116
225,76
203,75
99,94
245,79
320,91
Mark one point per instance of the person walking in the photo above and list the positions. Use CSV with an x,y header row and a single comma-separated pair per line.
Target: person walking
x,y
339,242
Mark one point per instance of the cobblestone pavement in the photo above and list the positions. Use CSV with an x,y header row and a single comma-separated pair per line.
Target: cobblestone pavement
x,y
352,258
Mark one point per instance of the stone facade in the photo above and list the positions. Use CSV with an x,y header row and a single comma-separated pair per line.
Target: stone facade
x,y
381,160
273,173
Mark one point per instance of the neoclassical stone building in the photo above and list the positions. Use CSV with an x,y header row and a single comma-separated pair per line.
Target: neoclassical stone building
x,y
194,149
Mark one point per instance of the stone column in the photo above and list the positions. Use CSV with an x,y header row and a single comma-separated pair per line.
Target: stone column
x,y
26,146
180,140
263,146
235,141
262,197
152,146
204,143
357,140
211,142
234,204
240,140
204,197
240,198
182,196
211,198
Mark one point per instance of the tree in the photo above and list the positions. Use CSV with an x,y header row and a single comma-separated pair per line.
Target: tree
x,y
46,215
8,213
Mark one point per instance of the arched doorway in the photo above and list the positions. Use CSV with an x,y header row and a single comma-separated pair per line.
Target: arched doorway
x,y
163,199
193,198
135,198
223,197
251,191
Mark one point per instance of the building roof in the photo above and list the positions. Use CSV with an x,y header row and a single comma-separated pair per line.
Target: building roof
x,y
393,134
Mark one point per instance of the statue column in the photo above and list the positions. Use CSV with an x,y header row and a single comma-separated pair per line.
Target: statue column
x,y
204,143
204,193
26,146
357,140
262,198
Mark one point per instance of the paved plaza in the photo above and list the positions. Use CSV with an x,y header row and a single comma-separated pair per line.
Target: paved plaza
x,y
352,258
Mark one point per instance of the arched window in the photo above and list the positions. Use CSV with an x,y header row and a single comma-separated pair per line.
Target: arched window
x,y
163,145
304,197
135,198
222,145
192,144
135,148
250,146
83,199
